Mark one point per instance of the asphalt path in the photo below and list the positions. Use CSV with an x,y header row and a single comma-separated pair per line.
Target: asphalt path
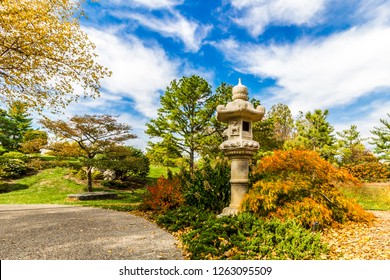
x,y
59,232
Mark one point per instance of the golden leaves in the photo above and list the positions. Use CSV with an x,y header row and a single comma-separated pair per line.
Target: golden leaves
x,y
361,241
300,184
44,53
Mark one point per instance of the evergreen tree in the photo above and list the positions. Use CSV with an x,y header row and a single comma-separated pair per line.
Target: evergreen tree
x,y
187,108
315,133
382,139
350,147
14,123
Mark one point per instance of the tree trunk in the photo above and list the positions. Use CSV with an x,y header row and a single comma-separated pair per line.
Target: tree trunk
x,y
89,178
192,159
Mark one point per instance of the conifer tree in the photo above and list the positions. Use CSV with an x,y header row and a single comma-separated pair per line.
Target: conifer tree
x,y
14,123
382,139
316,133
187,107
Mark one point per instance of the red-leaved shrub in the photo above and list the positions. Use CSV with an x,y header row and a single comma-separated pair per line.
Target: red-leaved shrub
x,y
164,195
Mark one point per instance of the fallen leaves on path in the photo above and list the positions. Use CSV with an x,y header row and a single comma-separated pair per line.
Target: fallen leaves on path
x,y
357,241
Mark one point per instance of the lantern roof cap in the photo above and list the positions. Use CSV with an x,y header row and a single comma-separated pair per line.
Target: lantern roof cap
x,y
240,91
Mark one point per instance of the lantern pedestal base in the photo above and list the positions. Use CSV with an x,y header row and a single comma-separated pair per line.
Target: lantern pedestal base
x,y
229,211
238,191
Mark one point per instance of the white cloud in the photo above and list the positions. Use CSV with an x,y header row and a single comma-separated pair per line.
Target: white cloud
x,y
376,11
320,73
139,72
173,25
255,15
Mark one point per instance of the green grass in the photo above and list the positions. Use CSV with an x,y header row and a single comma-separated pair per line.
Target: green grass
x,y
52,187
157,171
371,196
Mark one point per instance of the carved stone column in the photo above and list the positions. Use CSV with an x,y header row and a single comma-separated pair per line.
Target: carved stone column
x,y
239,114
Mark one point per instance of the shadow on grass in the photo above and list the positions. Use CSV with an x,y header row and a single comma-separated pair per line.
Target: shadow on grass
x,y
11,187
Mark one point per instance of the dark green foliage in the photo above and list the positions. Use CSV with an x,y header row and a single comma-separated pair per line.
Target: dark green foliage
x,y
124,185
10,187
13,125
126,162
12,168
314,133
242,237
207,187
382,139
184,113
183,217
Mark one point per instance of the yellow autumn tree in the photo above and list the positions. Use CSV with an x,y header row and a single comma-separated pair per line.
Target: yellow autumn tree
x,y
44,54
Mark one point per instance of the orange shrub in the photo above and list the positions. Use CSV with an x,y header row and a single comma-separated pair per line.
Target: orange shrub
x,y
164,195
302,185
369,171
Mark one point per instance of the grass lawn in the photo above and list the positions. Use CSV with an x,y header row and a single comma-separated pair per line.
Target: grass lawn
x,y
372,196
51,186
157,171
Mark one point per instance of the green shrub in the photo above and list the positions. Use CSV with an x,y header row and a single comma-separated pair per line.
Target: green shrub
x,y
97,175
80,174
183,217
4,188
15,155
12,168
125,162
207,187
302,185
129,184
244,236
37,164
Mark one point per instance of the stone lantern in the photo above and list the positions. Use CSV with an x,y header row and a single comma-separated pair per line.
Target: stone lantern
x,y
239,147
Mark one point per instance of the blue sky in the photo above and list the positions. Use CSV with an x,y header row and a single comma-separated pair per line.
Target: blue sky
x,y
308,54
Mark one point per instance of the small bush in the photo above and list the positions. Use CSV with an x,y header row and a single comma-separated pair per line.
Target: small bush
x,y
114,184
302,185
369,171
37,164
244,236
207,187
164,195
12,168
15,155
126,162
80,174
4,188
123,185
97,175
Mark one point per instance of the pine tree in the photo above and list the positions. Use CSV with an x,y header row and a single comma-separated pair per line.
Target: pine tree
x,y
14,123
315,133
350,147
187,107
382,139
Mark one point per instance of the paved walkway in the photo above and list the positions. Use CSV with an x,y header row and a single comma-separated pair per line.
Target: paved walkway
x,y
58,232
